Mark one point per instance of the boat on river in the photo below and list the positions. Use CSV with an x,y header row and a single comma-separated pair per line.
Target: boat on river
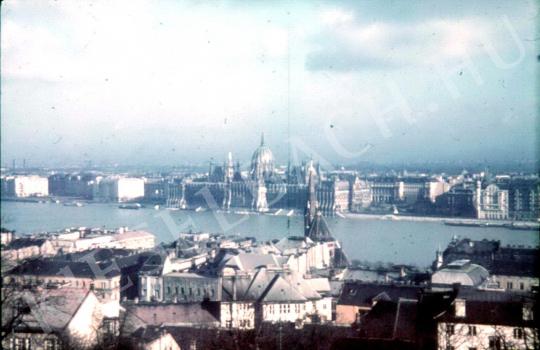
x,y
133,206
73,204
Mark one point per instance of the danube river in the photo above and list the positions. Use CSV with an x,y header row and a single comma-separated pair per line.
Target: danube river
x,y
366,239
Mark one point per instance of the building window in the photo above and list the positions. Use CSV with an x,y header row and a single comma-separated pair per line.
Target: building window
x,y
52,344
176,290
518,333
183,291
450,329
168,290
509,285
472,330
21,344
494,343
522,286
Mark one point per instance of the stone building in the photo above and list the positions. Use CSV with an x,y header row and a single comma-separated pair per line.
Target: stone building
x,y
488,320
458,201
333,196
119,189
264,189
524,198
154,190
414,188
103,279
361,194
25,186
271,296
80,185
491,202
26,247
190,287
357,299
54,319
512,268
386,189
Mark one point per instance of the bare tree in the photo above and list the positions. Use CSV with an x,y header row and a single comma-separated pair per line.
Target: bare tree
x,y
518,338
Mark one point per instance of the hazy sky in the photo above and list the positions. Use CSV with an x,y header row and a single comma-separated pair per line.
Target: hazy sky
x,y
168,82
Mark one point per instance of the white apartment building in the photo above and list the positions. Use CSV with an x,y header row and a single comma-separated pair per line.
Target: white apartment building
x,y
304,255
475,324
120,189
491,202
82,240
271,296
26,186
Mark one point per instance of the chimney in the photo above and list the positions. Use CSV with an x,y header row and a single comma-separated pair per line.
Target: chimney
x,y
527,312
459,308
234,287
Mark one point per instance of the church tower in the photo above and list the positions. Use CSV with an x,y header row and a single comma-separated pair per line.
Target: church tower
x,y
259,200
439,258
229,168
311,205
316,228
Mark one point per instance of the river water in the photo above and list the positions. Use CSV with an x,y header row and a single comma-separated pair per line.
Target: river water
x,y
375,240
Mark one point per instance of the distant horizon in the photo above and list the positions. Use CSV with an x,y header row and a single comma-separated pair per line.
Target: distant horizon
x,y
530,167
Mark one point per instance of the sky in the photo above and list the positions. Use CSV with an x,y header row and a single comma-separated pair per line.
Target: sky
x,y
173,82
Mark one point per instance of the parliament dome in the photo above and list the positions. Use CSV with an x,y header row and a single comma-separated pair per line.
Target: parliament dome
x,y
262,162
